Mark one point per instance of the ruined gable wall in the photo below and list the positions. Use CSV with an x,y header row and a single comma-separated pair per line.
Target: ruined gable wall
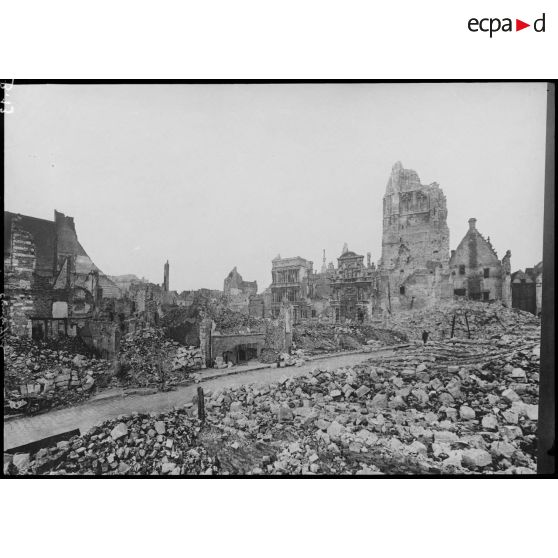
x,y
475,253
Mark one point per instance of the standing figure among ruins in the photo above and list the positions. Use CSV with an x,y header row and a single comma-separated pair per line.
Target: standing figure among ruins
x,y
425,337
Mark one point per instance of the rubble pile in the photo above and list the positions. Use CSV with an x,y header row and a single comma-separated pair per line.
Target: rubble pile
x,y
294,359
472,320
454,408
40,375
411,415
319,337
229,321
141,444
147,358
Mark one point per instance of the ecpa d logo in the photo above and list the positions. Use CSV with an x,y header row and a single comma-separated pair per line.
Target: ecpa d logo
x,y
492,25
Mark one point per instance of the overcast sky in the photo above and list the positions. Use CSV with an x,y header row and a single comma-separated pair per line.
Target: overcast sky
x,y
216,176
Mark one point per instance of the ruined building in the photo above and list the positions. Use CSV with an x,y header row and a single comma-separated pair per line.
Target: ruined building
x,y
476,271
354,287
240,294
415,232
415,241
51,286
526,287
234,285
290,285
152,301
415,269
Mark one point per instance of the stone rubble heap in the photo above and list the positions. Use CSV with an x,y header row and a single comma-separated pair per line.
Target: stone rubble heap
x,y
319,337
484,320
40,375
454,408
142,444
147,358
410,416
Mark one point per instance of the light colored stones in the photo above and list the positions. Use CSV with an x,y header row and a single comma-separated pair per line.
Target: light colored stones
x,y
490,422
168,467
421,396
445,436
367,437
502,449
396,444
362,391
284,414
160,427
379,401
123,468
118,431
446,399
417,447
236,406
524,409
335,430
519,374
322,424
466,413
512,432
21,460
476,458
397,402
510,417
510,395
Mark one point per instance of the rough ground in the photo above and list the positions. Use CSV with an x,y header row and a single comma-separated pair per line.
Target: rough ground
x,y
461,406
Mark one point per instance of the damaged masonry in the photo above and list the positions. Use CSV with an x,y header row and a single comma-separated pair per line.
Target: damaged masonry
x,y
424,362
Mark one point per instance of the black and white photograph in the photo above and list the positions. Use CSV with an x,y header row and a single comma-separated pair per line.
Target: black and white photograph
x,y
278,278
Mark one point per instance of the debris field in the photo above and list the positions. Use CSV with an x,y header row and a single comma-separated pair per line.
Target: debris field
x,y
459,406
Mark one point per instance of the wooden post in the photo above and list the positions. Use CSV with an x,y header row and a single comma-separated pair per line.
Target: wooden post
x,y
201,404
452,326
468,330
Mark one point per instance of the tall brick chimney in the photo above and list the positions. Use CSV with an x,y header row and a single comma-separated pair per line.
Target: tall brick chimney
x,y
472,224
166,278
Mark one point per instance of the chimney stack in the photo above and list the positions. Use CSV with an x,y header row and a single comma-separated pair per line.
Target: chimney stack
x,y
472,224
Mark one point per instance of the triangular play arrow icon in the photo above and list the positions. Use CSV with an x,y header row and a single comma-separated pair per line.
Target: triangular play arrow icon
x,y
519,25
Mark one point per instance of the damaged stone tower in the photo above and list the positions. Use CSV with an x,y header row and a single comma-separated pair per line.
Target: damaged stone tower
x,y
415,231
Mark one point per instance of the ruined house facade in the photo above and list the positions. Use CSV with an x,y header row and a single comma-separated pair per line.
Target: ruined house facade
x,y
290,283
52,287
476,271
354,288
